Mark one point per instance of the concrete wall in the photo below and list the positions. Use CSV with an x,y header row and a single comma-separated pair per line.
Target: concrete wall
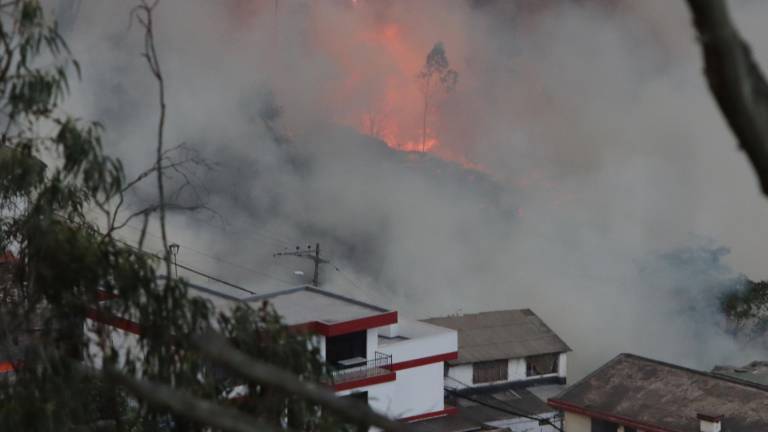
x,y
577,423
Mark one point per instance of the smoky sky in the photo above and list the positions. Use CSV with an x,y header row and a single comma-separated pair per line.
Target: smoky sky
x,y
599,152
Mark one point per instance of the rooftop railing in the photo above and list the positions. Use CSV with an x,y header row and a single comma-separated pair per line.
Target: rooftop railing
x,y
380,365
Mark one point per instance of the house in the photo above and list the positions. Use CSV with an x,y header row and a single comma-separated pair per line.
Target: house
x,y
394,364
632,394
509,362
504,347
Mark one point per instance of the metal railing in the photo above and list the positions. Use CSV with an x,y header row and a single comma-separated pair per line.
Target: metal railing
x,y
381,364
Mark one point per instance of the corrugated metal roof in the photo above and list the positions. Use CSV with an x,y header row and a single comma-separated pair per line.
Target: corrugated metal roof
x,y
501,335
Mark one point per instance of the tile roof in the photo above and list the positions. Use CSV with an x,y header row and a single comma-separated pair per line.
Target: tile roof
x,y
501,335
666,397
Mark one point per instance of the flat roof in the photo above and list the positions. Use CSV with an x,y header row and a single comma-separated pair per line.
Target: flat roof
x,y
309,304
666,397
499,335
300,305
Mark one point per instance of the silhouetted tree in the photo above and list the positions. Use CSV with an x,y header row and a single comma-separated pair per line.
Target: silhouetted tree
x,y
436,76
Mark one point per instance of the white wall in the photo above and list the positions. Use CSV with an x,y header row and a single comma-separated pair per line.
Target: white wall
x,y
432,341
319,342
121,340
380,396
521,424
577,423
372,343
517,369
562,366
460,374
419,390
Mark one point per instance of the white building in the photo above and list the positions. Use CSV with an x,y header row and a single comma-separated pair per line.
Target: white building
x,y
509,363
395,364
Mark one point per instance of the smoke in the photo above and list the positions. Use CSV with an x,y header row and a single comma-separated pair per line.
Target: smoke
x,y
601,155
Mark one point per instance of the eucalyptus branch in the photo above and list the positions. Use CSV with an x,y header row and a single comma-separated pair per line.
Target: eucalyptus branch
x,y
736,81
144,15
216,347
183,404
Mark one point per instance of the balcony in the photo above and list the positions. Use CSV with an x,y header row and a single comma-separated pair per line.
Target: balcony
x,y
373,371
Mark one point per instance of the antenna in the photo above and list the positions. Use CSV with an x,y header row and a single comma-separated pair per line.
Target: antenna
x,y
309,253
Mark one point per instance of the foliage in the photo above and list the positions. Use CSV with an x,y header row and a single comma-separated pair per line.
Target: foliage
x,y
66,261
747,307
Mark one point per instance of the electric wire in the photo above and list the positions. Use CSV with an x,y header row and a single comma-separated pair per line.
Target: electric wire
x,y
510,410
220,260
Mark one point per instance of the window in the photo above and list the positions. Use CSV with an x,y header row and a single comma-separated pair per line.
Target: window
x,y
603,426
344,347
541,364
361,396
489,371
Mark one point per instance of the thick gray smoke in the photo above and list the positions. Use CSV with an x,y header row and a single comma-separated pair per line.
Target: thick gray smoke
x,y
602,147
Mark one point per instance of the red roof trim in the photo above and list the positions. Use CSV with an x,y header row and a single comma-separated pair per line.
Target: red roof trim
x,y
345,327
407,364
365,382
102,295
114,321
566,406
8,257
449,410
7,367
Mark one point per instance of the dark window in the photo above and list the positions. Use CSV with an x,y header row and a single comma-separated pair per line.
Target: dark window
x,y
344,347
603,426
489,371
541,364
361,396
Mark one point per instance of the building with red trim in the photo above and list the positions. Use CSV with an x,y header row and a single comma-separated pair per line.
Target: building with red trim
x,y
395,364
633,394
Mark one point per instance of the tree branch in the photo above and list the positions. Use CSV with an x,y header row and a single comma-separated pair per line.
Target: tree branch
x,y
216,347
183,404
144,15
735,80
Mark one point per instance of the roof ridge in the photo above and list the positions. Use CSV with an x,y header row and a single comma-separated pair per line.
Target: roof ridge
x,y
699,372
587,377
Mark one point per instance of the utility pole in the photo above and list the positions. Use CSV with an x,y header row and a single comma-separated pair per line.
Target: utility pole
x,y
309,253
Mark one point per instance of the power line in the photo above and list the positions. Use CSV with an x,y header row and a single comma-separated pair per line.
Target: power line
x,y
190,269
310,254
259,233
347,277
220,260
504,410
512,409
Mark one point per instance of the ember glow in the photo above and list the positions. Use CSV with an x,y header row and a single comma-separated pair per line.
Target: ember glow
x,y
378,92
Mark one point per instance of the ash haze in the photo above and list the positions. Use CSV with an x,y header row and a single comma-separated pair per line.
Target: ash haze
x,y
599,147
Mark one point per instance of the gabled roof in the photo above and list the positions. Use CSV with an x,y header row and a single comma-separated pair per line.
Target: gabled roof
x,y
661,397
501,335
